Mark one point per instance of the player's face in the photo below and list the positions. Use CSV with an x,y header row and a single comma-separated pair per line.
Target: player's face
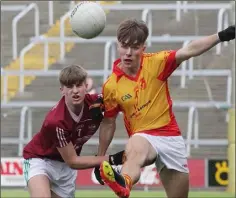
x,y
130,55
75,93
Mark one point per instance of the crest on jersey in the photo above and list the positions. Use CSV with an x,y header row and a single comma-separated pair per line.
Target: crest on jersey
x,y
92,127
79,127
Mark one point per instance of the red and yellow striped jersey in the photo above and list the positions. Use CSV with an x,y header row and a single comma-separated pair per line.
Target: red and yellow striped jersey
x,y
144,100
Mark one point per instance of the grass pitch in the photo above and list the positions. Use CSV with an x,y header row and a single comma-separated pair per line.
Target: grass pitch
x,y
7,193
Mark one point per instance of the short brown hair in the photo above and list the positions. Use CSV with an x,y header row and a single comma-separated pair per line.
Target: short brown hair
x,y
73,74
131,31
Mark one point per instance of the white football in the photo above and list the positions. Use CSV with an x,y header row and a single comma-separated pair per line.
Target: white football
x,y
87,19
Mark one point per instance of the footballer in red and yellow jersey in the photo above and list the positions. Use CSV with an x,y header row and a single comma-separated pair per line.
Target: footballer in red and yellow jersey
x,y
144,100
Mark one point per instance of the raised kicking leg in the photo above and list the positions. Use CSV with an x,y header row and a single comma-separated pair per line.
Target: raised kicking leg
x,y
139,152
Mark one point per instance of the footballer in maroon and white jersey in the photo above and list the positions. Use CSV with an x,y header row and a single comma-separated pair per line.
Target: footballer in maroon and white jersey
x,y
51,158
60,127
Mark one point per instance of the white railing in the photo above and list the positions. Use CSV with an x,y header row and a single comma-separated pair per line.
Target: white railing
x,y
22,68
110,55
104,73
109,58
5,85
192,127
12,8
51,10
50,13
24,10
22,74
16,20
62,34
223,22
23,122
21,140
179,8
170,6
146,15
111,51
179,104
184,65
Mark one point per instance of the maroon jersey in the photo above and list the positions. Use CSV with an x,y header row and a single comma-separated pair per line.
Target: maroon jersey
x,y
59,128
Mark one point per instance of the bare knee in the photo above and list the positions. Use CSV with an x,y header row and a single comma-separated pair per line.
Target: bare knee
x,y
135,156
139,151
174,189
39,186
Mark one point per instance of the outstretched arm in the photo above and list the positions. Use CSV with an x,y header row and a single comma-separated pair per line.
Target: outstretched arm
x,y
107,129
62,139
83,162
111,110
106,133
80,162
198,47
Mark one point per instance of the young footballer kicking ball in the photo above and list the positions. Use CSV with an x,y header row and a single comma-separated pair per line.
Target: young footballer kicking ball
x,y
138,86
51,158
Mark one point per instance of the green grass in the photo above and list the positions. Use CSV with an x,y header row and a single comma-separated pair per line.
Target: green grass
x,y
105,193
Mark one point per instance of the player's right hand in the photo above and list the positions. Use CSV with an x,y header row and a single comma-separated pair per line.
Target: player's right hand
x,y
97,175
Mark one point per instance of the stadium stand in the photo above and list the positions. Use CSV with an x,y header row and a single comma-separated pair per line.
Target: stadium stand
x,y
212,121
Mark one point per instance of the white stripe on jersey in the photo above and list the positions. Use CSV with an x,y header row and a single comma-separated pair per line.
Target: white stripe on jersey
x,y
61,137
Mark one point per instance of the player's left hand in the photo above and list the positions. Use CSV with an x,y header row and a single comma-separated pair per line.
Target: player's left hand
x,y
118,158
96,108
227,34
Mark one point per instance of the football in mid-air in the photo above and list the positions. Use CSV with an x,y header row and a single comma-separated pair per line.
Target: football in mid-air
x,y
87,19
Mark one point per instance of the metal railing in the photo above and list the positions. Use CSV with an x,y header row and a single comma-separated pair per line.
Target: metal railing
x,y
12,8
50,13
192,127
109,58
147,16
51,10
110,49
22,68
170,6
192,105
16,20
62,34
102,73
23,123
22,74
186,64
24,10
21,140
223,22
